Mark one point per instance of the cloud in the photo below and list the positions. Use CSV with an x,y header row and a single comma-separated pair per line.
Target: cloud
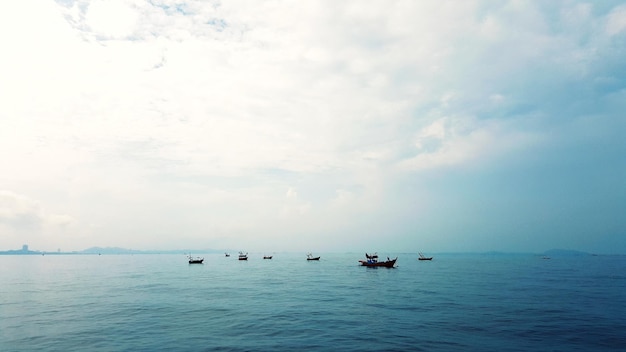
x,y
230,118
19,212
293,205
25,215
616,21
111,19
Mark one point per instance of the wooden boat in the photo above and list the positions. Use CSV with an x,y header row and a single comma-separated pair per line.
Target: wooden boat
x,y
267,257
243,256
423,257
196,260
310,256
227,254
372,261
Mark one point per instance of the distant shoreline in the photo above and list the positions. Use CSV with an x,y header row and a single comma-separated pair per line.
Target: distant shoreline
x,y
124,251
104,251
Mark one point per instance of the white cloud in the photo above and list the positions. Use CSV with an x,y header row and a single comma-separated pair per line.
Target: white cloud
x,y
20,215
111,18
178,105
616,21
464,141
19,211
343,198
293,206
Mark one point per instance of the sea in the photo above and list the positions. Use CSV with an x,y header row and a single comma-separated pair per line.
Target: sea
x,y
456,302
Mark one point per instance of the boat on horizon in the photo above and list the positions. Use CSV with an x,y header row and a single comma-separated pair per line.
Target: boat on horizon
x,y
227,254
196,260
267,257
243,256
310,256
423,257
372,261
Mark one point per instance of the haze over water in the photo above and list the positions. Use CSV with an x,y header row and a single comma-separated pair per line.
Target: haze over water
x,y
456,302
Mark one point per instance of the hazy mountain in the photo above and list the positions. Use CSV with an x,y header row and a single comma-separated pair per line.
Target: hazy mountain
x,y
564,252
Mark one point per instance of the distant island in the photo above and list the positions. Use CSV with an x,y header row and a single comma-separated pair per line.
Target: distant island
x,y
24,250
104,250
117,250
565,253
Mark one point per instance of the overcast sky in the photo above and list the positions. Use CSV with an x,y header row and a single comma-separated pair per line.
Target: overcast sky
x,y
390,126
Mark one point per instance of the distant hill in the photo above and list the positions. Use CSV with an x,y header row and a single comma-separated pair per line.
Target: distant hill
x,y
118,250
109,250
565,253
20,252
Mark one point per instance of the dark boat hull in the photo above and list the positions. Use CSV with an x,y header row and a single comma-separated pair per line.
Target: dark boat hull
x,y
267,257
429,258
386,264
196,261
316,258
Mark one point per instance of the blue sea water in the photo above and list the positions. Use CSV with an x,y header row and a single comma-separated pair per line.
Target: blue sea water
x,y
456,302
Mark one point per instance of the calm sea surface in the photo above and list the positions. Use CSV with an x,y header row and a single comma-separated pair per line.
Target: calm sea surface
x,y
454,303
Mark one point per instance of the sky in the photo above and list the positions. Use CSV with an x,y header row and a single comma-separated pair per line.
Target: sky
x,y
390,126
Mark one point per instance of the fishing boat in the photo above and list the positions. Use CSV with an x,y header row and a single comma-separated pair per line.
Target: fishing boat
x,y
423,257
310,256
243,256
267,257
372,261
227,254
196,260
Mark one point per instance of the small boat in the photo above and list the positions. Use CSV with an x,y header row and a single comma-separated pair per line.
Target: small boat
x,y
372,261
243,256
227,254
267,257
196,260
310,256
423,257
